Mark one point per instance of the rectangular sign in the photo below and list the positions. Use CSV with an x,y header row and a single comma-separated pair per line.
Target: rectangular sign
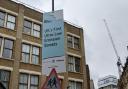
x,y
53,42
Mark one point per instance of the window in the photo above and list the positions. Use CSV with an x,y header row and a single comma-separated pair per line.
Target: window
x,y
70,41
4,78
34,82
28,81
30,54
7,48
36,30
31,28
11,22
25,53
76,43
75,85
35,55
78,85
73,42
8,19
23,82
27,27
2,18
70,63
77,64
73,64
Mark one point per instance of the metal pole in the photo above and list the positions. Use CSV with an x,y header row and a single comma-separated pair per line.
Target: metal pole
x,y
119,64
53,5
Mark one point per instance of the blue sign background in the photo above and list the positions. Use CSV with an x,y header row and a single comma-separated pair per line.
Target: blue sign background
x,y
53,34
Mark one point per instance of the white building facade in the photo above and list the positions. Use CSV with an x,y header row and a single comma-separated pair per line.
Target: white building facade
x,y
108,82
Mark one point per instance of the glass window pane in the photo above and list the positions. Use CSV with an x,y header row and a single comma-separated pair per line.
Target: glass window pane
x,y
10,25
1,22
4,78
35,51
70,59
36,33
23,81
28,24
7,53
35,59
11,18
70,63
69,38
78,85
34,80
76,42
25,57
27,30
71,85
77,64
23,86
24,78
25,48
69,41
2,15
36,27
5,84
8,44
34,87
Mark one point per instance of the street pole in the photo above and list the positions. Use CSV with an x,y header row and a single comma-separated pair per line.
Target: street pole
x,y
52,5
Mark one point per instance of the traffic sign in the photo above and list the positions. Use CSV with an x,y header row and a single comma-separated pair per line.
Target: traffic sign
x,y
52,82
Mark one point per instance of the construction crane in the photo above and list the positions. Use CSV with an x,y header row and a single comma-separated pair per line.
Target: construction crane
x,y
119,64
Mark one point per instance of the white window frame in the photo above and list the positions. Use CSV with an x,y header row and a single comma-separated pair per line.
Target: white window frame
x,y
74,64
73,36
10,22
6,20
29,79
2,48
39,31
31,53
26,52
8,76
3,18
32,28
74,84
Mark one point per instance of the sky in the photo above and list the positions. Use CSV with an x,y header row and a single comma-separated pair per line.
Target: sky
x,y
89,14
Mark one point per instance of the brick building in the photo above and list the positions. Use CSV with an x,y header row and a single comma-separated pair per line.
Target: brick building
x,y
21,49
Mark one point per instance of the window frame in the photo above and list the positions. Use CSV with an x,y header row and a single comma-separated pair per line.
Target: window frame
x,y
30,59
6,21
3,47
28,84
71,43
14,23
35,30
74,64
36,55
24,26
74,84
26,53
3,18
32,29
8,81
35,85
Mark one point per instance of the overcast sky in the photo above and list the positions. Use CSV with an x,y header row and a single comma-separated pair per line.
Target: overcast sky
x,y
90,14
